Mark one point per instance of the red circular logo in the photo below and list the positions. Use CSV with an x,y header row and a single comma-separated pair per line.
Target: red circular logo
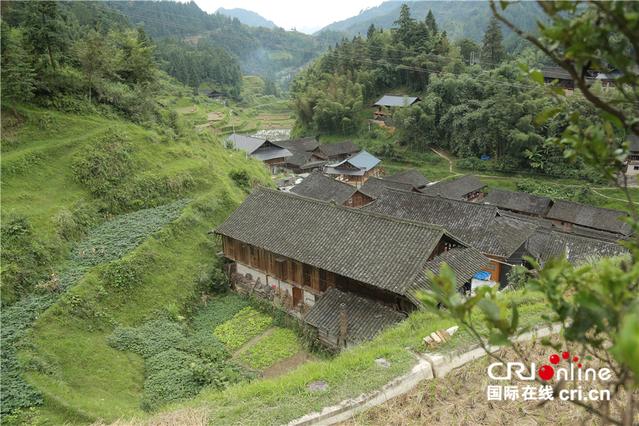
x,y
565,355
554,359
546,372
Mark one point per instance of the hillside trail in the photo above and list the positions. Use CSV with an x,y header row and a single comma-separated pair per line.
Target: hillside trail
x,y
253,341
594,189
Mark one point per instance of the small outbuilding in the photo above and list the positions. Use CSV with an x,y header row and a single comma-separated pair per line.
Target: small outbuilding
x,y
355,170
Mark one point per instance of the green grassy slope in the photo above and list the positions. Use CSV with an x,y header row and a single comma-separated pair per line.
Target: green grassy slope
x,y
65,353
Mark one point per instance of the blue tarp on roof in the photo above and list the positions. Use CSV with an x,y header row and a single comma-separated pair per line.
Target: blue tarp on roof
x,y
482,275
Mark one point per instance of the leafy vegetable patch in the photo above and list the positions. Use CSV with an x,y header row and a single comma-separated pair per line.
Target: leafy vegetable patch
x,y
279,345
245,325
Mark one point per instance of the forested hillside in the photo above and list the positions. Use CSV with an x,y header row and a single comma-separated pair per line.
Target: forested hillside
x,y
107,198
484,109
462,19
247,17
272,53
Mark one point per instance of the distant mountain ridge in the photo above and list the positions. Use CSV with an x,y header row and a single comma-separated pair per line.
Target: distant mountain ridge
x,y
247,17
460,19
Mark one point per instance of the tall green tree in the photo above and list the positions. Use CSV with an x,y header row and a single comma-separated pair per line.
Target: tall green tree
x,y
371,31
45,30
492,49
431,24
98,59
18,76
405,26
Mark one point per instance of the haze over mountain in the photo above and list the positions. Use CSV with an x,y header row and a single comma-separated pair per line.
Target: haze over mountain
x,y
459,19
247,17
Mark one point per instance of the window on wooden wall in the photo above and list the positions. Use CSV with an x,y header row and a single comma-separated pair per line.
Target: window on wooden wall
x,y
307,275
281,268
322,280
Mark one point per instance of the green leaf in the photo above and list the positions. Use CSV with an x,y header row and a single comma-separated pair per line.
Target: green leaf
x,y
490,309
537,76
546,115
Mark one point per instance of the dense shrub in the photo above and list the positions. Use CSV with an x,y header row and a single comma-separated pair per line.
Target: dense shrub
x,y
279,345
105,163
581,194
517,277
241,179
178,362
72,224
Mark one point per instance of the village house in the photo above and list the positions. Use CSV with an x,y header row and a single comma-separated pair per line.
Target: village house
x,y
569,216
559,77
467,188
546,244
411,176
334,152
387,103
501,239
346,272
355,170
271,153
519,202
632,161
324,188
373,188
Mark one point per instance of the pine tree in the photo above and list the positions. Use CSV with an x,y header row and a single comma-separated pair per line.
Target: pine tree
x,y
18,77
405,26
45,30
371,32
492,51
431,24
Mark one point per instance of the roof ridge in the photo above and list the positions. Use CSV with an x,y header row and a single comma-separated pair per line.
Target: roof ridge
x,y
361,212
587,205
490,206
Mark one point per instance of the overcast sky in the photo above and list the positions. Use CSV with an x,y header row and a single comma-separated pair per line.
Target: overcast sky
x,y
304,15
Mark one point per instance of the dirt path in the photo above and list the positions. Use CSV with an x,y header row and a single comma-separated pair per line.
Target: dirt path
x,y
287,364
253,341
450,162
611,198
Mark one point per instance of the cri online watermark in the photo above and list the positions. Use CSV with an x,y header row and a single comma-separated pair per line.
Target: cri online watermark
x,y
573,371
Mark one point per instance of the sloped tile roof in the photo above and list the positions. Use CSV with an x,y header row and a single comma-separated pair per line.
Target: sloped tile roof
x,y
465,261
356,165
365,317
518,202
335,149
324,188
261,149
455,189
303,144
475,224
589,216
396,101
411,176
377,250
545,245
373,187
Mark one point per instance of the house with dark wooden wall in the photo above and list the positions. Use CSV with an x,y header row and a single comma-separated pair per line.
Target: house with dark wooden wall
x,y
467,188
321,261
568,215
387,103
271,153
501,239
519,202
324,188
355,170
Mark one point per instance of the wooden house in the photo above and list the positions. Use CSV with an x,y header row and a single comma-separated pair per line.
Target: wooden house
x,y
410,176
632,161
356,169
501,239
303,159
569,216
333,152
558,77
546,244
346,272
324,188
467,188
271,153
372,189
387,103
519,202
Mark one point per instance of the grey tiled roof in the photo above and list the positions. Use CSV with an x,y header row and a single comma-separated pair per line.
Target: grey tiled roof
x,y
303,144
261,149
465,261
380,251
299,158
545,245
366,317
335,149
396,101
634,142
373,187
556,73
324,188
411,176
357,165
518,201
589,216
476,224
455,189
